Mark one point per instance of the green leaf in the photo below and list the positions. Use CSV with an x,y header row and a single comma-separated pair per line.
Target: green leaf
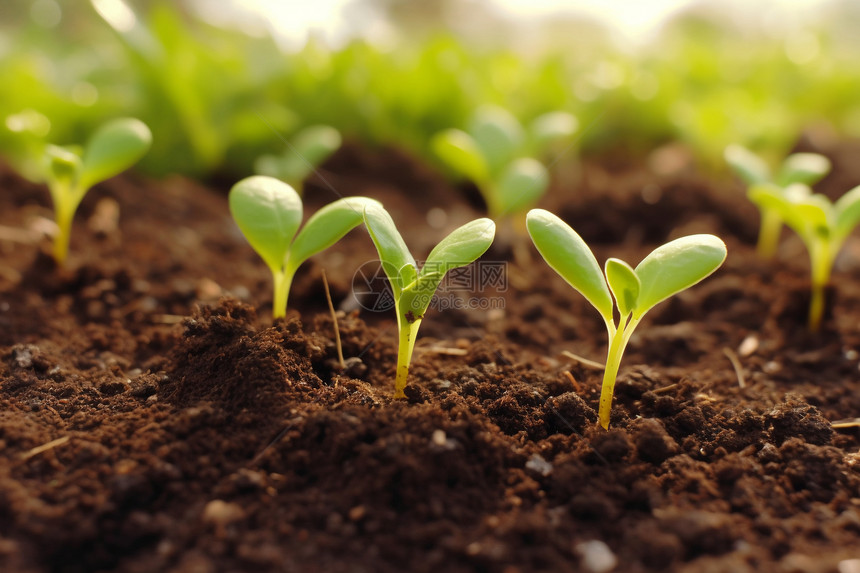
x,y
807,168
397,261
63,164
624,285
568,255
747,165
460,153
461,247
676,266
521,184
327,226
268,212
316,143
270,166
113,148
806,213
814,215
847,209
498,135
551,127
767,196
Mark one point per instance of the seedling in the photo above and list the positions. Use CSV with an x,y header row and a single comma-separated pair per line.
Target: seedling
x,y
492,154
806,168
305,153
71,172
669,269
269,212
822,225
413,289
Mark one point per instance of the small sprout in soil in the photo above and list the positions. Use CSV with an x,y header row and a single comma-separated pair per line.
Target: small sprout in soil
x,y
669,269
269,212
413,289
307,150
496,154
822,225
71,171
806,168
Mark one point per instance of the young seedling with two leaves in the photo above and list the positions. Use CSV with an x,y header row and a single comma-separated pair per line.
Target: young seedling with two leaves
x,y
71,171
806,168
269,213
305,152
497,154
413,289
669,269
822,225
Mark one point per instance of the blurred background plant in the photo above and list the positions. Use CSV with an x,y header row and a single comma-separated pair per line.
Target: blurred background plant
x,y
224,83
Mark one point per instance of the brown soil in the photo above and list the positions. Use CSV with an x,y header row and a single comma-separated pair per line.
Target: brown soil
x,y
153,418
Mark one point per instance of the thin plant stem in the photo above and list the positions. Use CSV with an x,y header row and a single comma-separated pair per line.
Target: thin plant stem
x,y
282,280
408,334
821,259
618,340
64,214
64,233
768,234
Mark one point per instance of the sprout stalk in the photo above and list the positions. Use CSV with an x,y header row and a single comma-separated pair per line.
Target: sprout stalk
x,y
821,258
768,235
64,213
618,339
283,278
408,333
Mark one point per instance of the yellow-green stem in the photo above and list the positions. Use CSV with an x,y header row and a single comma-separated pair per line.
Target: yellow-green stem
x,y
63,217
618,340
613,361
282,281
821,260
65,205
408,334
768,234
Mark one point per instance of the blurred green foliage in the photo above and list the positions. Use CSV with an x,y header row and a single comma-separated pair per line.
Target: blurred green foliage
x,y
217,98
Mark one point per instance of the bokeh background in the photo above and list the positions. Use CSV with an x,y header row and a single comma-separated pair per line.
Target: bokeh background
x,y
221,83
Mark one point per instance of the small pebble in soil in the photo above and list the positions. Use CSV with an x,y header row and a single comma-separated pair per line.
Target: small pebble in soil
x,y
440,440
539,465
221,513
772,367
596,556
748,346
23,356
357,513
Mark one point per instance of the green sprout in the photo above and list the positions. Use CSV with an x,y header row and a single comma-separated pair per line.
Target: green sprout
x,y
822,225
492,154
669,269
269,212
306,152
413,289
806,168
71,172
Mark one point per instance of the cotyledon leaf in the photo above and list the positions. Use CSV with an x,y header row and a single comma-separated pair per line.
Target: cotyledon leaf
x,y
565,251
112,149
268,212
676,266
397,261
327,226
624,285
